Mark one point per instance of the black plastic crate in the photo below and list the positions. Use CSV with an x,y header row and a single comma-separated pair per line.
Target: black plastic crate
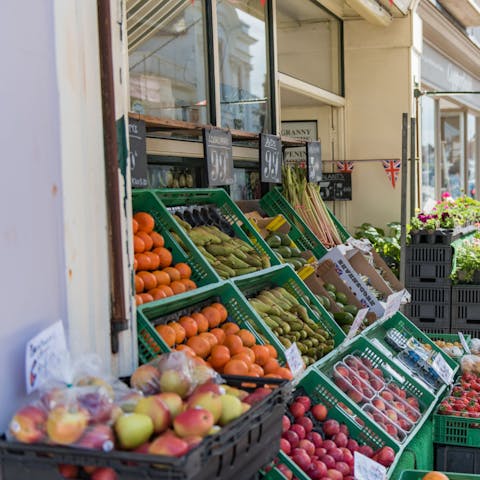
x,y
429,254
440,237
428,273
466,309
450,458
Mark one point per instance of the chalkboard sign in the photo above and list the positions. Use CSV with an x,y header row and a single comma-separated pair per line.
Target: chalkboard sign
x,y
217,145
314,162
270,158
336,186
138,153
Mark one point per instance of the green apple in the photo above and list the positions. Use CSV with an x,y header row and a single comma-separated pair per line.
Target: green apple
x,y
133,429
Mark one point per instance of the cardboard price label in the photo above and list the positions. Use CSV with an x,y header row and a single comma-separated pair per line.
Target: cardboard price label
x,y
465,346
306,271
357,322
295,360
393,303
443,369
367,469
276,223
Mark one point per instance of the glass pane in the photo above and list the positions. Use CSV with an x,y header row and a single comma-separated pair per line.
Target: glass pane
x,y
428,149
167,60
452,155
243,65
472,154
246,184
308,39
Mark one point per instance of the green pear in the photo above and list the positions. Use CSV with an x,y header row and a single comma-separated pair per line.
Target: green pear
x,y
231,409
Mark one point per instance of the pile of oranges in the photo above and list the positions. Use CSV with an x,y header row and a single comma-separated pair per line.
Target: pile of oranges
x,y
155,277
208,337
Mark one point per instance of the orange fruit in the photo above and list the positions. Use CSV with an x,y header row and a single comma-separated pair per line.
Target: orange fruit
x,y
168,291
219,356
189,324
210,337
149,279
147,240
167,333
154,260
249,352
139,285
162,277
213,316
262,355
273,352
157,293
173,273
201,320
157,239
179,331
271,366
178,287
245,357
257,369
145,221
146,297
134,226
186,349
143,261
165,256
235,367
285,373
138,244
433,475
184,269
138,300
135,264
199,345
247,337
230,328
219,333
222,310
233,343
189,284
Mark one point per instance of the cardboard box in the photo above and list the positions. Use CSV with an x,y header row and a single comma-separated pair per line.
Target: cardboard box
x,y
388,275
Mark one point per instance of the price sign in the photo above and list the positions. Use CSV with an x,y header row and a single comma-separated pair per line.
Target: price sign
x,y
294,360
138,153
357,322
393,303
367,469
443,369
465,346
314,162
271,158
336,186
217,144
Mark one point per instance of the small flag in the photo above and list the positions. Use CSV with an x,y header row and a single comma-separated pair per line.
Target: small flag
x,y
392,169
345,167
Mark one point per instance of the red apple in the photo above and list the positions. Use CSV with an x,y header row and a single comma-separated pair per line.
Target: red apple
x,y
292,438
28,424
387,395
66,426
193,441
308,446
328,460
174,402
342,372
363,374
342,384
331,428
378,404
301,458
343,468
297,409
194,421
209,401
391,414
285,423
334,474
347,456
305,422
156,409
305,401
366,450
98,437
344,429
319,412
340,439
68,471
328,444
315,438
146,379
168,444
352,445
391,430
386,456
285,471
104,473
336,453
320,452
98,404
299,430
285,446
356,396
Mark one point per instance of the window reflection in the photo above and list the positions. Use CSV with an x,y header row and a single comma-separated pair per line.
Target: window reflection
x,y
472,154
428,126
452,154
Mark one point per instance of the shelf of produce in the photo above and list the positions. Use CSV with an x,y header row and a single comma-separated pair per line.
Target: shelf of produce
x,y
151,344
285,277
214,207
386,391
419,474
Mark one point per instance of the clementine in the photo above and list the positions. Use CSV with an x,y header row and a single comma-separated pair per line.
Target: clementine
x,y
184,269
145,221
167,333
235,367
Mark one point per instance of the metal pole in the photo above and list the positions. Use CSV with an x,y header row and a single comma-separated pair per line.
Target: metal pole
x,y
403,201
413,167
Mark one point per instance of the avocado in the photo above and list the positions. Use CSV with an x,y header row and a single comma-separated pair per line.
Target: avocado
x,y
294,263
324,301
343,318
274,240
284,251
340,306
296,252
341,297
330,287
285,239
332,295
301,260
351,309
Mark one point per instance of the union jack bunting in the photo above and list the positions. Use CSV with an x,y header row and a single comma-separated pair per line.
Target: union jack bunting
x,y
345,167
392,169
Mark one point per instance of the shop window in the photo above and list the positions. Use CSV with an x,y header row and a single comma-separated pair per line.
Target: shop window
x,y
452,158
167,58
428,129
309,44
244,81
472,155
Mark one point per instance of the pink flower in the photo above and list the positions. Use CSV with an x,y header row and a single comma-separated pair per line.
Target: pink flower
x,y
445,195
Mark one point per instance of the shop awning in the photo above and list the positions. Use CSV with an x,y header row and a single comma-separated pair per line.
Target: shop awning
x,y
467,12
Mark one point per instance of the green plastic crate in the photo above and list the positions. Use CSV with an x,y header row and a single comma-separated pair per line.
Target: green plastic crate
x,y
242,228
150,344
450,337
284,276
452,430
364,348
275,474
419,474
202,272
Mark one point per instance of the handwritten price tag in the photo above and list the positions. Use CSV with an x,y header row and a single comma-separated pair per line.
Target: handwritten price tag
x,y
367,469
465,346
294,360
443,369
357,322
393,304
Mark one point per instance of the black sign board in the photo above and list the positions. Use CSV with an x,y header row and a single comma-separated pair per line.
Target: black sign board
x,y
270,158
138,153
217,145
336,186
314,161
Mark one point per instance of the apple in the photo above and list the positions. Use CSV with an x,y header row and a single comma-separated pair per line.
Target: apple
x,y
193,421
285,423
299,430
133,429
287,473
378,404
98,437
173,381
308,446
28,424
377,372
331,428
143,448
305,401
231,409
193,441
404,424
208,401
385,456
320,452
210,387
98,405
68,471
297,409
352,445
391,414
366,450
356,396
387,395
292,438
156,410
343,468
334,474
376,384
328,444
146,379
168,444
173,402
236,392
305,422
245,407
336,454
319,412
413,402
301,458
363,374
104,473
328,460
66,426
368,392
342,371
315,438
344,429
342,384
391,430
347,456
320,469
285,446
340,439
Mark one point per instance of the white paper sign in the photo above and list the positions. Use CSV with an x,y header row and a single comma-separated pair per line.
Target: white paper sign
x,y
294,360
48,348
367,469
363,245
393,304
465,346
443,369
359,318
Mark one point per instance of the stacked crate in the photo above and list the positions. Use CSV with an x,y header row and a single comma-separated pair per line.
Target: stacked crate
x,y
427,278
466,309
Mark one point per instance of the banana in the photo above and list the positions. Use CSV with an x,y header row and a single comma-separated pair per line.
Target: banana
x,y
244,271
217,249
185,225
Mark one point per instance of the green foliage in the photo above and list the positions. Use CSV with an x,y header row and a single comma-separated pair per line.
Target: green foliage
x,y
388,246
467,260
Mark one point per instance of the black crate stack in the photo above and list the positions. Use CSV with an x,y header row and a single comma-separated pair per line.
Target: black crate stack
x,y
427,278
466,309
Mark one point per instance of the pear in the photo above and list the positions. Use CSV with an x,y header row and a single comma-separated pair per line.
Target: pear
x,y
231,409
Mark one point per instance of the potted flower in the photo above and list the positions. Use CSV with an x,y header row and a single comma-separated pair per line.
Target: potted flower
x,y
414,228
